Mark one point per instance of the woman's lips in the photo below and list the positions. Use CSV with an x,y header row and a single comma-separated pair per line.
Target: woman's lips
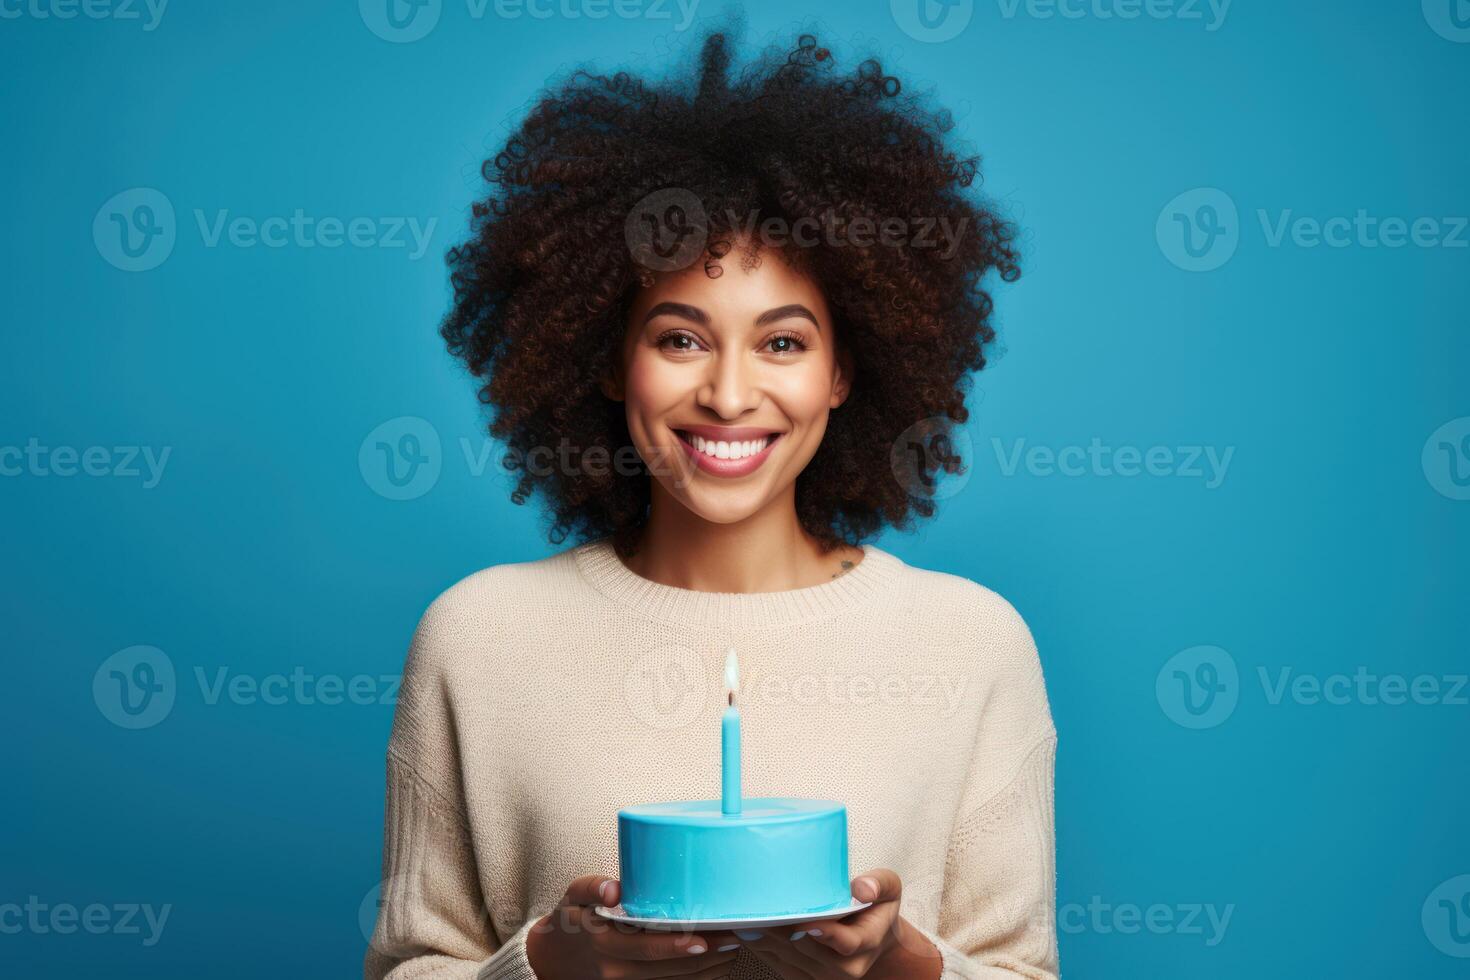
x,y
712,437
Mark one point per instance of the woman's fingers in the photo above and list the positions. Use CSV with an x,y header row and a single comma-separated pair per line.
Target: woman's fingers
x,y
644,944
857,932
842,938
593,890
574,940
878,885
722,941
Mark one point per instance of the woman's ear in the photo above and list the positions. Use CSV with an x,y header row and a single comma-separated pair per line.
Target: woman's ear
x,y
842,384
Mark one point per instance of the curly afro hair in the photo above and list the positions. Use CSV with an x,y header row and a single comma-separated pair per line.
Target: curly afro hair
x,y
543,283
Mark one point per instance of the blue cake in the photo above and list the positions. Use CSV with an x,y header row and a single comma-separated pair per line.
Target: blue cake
x,y
689,860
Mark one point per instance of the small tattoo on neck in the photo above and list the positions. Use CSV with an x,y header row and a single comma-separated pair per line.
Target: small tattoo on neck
x,y
846,567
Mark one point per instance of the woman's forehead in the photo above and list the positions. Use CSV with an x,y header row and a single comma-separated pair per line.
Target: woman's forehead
x,y
741,294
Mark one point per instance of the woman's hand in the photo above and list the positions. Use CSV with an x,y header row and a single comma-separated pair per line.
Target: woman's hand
x,y
875,943
574,943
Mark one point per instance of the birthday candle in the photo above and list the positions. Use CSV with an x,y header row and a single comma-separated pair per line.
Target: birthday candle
x,y
730,740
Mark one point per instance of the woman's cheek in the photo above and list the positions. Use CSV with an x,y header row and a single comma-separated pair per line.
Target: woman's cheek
x,y
651,388
804,395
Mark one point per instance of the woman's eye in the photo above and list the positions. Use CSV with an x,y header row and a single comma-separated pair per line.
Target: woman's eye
x,y
679,342
785,345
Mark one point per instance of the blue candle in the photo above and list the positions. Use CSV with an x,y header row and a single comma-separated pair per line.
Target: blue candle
x,y
730,741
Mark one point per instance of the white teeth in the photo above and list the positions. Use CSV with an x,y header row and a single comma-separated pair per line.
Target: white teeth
x,y
728,450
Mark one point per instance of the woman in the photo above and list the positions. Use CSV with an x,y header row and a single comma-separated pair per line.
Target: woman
x,y
723,333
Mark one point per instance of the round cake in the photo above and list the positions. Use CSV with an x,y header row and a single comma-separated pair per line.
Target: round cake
x,y
688,860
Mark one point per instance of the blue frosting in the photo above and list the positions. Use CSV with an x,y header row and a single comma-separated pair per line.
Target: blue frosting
x,y
688,860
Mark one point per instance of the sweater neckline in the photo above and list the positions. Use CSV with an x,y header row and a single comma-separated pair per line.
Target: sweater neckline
x,y
598,563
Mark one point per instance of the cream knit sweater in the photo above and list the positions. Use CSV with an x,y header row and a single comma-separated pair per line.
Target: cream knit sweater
x,y
539,698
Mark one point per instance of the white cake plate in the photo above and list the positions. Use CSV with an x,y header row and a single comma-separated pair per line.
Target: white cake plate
x,y
617,914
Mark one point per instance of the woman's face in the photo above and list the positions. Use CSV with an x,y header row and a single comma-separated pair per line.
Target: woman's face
x,y
727,383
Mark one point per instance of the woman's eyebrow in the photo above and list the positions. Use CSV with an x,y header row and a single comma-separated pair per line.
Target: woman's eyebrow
x,y
782,312
680,310
694,313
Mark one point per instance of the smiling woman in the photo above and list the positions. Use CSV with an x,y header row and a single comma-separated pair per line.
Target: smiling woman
x,y
730,381
627,284
546,285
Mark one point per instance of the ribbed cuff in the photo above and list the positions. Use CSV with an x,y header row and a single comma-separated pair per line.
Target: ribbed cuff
x,y
958,966
509,961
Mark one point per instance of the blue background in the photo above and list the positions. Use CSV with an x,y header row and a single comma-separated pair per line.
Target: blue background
x,y
265,546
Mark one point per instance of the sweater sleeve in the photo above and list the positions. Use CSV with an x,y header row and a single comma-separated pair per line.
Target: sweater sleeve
x,y
433,920
997,915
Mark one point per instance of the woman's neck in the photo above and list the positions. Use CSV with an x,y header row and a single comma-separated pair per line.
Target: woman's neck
x,y
767,552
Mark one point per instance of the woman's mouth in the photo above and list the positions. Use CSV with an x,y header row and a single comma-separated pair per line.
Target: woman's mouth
x,y
727,452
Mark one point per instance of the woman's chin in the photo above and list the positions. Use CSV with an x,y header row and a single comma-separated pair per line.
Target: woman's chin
x,y
721,505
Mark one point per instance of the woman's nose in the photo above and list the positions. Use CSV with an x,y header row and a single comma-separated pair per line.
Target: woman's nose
x,y
730,389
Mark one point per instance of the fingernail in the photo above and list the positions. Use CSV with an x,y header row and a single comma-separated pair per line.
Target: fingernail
x,y
872,885
604,889
726,949
814,932
797,935
696,948
749,935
